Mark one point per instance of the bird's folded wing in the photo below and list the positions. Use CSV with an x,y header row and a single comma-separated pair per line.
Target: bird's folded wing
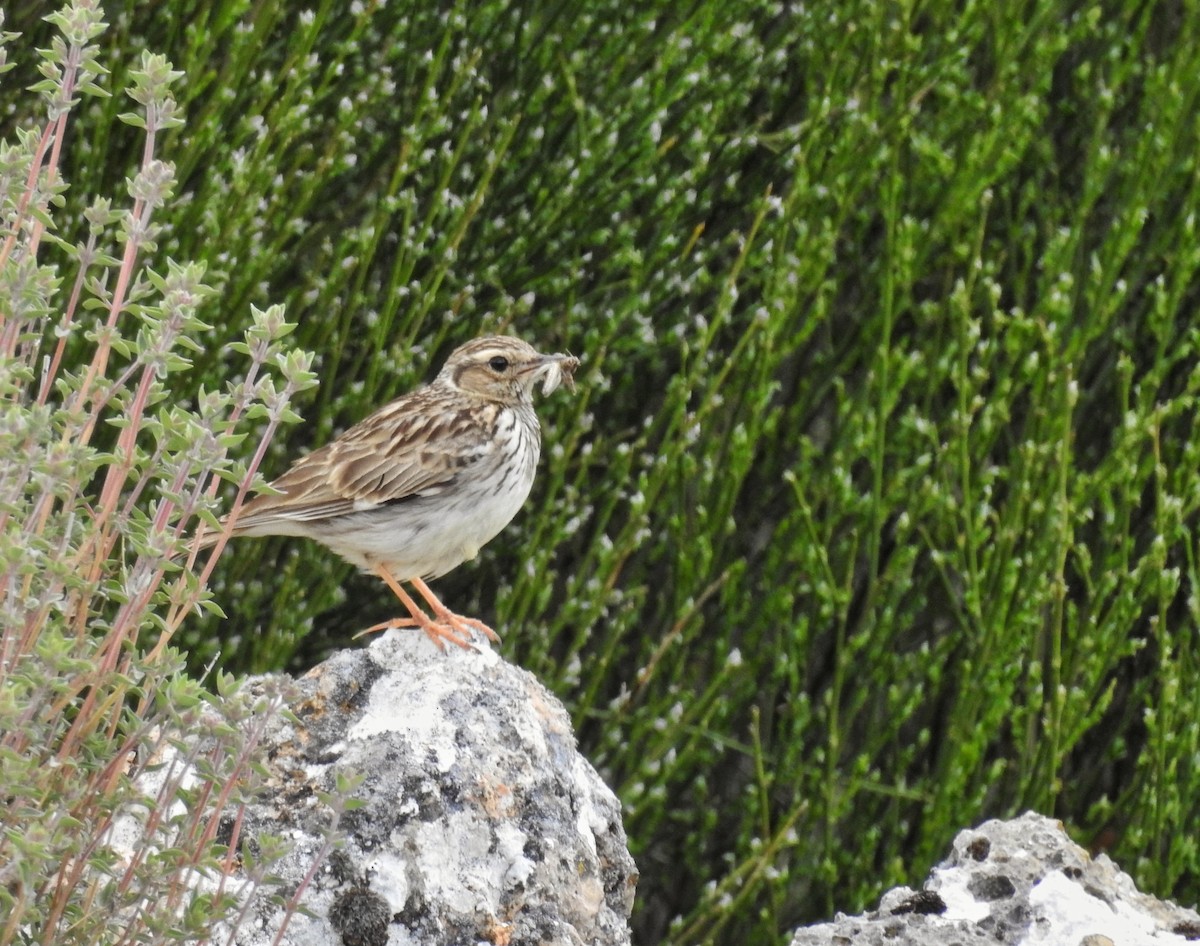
x,y
395,455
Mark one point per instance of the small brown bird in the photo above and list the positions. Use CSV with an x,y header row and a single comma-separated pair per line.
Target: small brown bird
x,y
422,484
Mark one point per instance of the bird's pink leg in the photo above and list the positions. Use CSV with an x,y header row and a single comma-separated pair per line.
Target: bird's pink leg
x,y
439,630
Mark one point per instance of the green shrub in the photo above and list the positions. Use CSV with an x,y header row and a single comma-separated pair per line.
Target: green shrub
x,y
874,513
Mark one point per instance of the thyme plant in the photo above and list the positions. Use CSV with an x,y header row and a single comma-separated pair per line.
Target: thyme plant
x,y
111,831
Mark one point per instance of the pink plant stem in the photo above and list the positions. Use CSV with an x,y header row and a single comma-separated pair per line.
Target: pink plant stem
x,y
8,338
68,317
119,470
178,613
290,910
70,74
235,836
52,136
140,217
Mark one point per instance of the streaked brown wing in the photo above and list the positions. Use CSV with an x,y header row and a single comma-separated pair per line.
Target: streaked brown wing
x,y
416,445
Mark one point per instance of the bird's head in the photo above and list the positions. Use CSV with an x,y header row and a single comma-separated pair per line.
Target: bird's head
x,y
503,368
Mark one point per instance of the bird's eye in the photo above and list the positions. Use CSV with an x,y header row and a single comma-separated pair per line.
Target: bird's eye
x,y
499,364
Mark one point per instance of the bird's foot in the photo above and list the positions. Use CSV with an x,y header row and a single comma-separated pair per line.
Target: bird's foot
x,y
444,626
438,632
463,625
444,616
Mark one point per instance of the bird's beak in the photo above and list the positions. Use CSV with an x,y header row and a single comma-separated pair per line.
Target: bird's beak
x,y
553,370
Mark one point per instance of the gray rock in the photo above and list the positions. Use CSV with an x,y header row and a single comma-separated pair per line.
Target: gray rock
x,y
475,818
1015,882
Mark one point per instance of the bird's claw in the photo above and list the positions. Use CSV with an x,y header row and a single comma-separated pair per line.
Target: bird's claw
x,y
439,631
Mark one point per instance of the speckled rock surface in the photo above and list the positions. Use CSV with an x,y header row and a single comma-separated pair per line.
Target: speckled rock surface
x,y
1022,882
477,822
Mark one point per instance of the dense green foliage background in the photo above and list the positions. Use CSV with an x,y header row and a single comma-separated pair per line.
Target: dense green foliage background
x,y
874,514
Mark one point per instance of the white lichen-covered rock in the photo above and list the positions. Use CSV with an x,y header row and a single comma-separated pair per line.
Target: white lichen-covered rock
x,y
1020,882
475,818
